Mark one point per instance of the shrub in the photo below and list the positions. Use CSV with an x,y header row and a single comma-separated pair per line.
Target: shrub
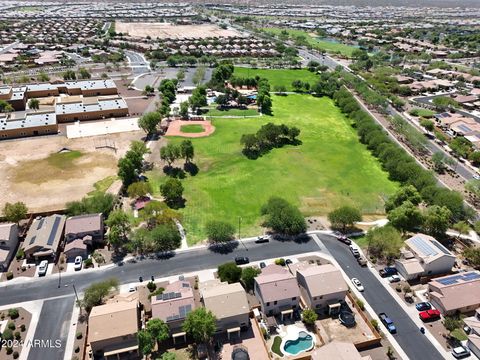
x,y
280,262
398,288
22,327
374,323
77,349
360,304
157,292
11,325
18,336
79,335
309,316
20,254
406,288
7,334
13,313
15,355
9,350
88,263
151,286
9,275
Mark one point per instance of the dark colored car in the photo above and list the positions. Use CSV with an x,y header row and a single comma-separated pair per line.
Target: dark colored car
x,y
388,271
240,260
388,323
423,306
263,265
262,239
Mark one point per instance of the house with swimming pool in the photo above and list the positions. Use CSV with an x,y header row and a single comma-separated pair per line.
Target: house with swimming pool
x,y
277,291
322,286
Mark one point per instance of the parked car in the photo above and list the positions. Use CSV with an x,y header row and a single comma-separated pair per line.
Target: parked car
x,y
394,278
460,352
42,268
78,263
429,315
388,323
388,271
362,261
354,251
262,239
357,284
423,306
240,260
263,265
341,237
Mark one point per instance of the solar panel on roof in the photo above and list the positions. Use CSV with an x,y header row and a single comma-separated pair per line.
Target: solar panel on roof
x,y
425,247
471,276
53,233
464,128
441,247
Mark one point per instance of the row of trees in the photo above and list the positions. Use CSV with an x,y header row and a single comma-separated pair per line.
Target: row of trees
x,y
264,101
269,136
172,152
399,164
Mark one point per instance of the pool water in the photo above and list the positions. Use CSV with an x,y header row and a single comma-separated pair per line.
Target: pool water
x,y
304,342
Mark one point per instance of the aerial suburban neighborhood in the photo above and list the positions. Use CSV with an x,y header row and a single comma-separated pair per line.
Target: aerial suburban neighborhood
x,y
240,180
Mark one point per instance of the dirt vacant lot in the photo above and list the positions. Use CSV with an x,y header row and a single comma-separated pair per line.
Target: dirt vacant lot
x,y
170,31
34,170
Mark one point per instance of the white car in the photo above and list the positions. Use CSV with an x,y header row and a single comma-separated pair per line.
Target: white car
x,y
476,176
42,268
78,263
460,352
394,278
357,284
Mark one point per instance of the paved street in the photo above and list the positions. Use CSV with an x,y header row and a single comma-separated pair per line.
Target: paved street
x,y
415,345
52,330
137,62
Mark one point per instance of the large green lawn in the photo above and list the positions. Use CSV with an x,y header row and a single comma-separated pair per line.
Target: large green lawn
x,y
316,42
231,112
329,169
277,77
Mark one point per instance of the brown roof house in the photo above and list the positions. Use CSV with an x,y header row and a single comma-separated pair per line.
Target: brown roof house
x,y
113,328
82,231
339,351
173,306
8,244
423,256
277,291
44,237
458,292
321,286
229,304
473,323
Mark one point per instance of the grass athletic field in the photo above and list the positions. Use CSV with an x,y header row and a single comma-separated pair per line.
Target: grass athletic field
x,y
329,169
191,128
328,46
231,112
278,77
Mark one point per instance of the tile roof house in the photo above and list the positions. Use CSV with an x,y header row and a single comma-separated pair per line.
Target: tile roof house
x,y
113,328
229,304
339,351
277,291
458,292
424,256
44,237
173,305
321,286
8,244
473,322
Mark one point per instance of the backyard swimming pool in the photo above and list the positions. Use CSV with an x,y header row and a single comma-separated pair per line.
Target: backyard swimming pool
x,y
304,342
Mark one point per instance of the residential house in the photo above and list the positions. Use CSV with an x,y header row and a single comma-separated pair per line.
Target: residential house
x,y
229,304
424,256
173,306
473,323
82,231
321,286
8,244
44,237
113,329
338,350
458,292
277,291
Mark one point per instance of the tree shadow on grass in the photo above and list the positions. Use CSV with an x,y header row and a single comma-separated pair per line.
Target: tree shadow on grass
x,y
225,248
191,168
174,172
176,203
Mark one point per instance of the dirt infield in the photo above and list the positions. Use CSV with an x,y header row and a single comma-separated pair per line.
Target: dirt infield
x,y
171,31
174,128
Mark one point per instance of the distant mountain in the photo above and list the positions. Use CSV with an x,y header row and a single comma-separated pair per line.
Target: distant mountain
x,y
408,3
